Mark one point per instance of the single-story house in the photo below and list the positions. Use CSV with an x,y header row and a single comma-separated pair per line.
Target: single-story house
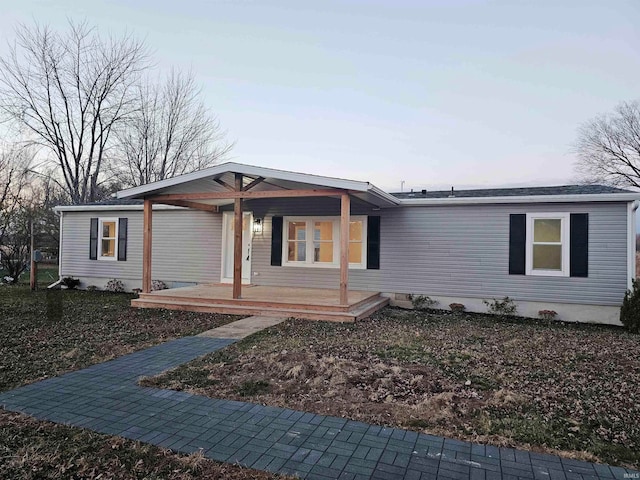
x,y
271,234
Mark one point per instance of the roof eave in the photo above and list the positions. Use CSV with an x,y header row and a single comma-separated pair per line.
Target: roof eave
x,y
343,184
384,196
101,208
599,197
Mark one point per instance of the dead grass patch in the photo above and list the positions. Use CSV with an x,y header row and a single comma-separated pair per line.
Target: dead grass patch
x,y
30,449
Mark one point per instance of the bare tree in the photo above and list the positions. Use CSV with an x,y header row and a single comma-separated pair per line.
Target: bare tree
x,y
14,246
608,147
26,196
11,179
170,133
71,91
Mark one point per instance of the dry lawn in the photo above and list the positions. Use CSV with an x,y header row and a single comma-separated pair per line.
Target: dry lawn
x,y
30,449
556,388
48,333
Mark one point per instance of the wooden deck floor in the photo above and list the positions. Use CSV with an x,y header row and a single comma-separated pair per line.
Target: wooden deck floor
x,y
312,303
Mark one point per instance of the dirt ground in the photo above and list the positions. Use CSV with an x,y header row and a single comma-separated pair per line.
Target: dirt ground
x,y
573,389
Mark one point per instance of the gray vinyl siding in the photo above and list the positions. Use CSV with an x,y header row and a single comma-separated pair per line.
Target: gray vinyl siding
x,y
431,250
459,251
463,250
186,246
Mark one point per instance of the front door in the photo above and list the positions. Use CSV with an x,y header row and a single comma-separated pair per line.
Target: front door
x,y
227,247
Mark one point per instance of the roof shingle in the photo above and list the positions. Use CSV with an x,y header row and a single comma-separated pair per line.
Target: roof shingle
x,y
515,192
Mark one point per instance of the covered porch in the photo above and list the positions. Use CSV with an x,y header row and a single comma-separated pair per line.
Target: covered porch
x,y
296,302
230,186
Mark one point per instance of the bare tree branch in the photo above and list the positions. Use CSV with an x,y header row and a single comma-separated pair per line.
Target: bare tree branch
x,y
170,133
71,91
14,164
608,147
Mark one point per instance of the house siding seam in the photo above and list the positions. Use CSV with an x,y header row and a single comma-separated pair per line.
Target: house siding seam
x,y
433,250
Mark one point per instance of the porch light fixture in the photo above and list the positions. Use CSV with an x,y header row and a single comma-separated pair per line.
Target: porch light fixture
x,y
257,226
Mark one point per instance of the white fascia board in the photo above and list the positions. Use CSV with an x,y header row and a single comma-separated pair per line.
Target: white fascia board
x,y
600,197
170,182
246,170
107,208
384,195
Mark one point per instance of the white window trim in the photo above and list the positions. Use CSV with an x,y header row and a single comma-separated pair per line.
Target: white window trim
x,y
564,218
101,221
309,263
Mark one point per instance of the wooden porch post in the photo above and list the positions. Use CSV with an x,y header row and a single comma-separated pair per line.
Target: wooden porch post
x,y
237,240
345,211
146,246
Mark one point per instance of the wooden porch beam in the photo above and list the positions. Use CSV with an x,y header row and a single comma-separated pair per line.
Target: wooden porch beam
x,y
345,211
147,230
237,240
194,205
224,184
241,194
253,184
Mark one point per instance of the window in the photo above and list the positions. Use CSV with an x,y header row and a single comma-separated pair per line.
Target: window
x,y
355,242
315,242
297,242
548,244
323,241
108,241
108,238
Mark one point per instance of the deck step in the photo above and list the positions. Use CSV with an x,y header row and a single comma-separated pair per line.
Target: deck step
x,y
166,297
361,311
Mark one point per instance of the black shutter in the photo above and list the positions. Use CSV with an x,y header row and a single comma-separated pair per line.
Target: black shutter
x,y
276,241
579,245
373,243
122,239
517,243
93,240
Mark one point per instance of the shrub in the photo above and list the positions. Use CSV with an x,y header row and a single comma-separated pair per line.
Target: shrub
x,y
70,282
422,302
114,285
630,310
457,307
502,308
547,315
158,285
92,288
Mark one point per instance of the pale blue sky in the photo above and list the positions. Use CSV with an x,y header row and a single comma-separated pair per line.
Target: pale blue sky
x,y
436,93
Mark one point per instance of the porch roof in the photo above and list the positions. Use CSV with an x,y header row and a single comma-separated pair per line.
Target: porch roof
x,y
212,180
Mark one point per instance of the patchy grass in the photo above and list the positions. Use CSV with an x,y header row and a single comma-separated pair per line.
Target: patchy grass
x,y
568,389
30,449
47,274
251,388
47,333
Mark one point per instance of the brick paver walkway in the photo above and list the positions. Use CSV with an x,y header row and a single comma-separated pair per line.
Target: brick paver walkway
x,y
106,398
